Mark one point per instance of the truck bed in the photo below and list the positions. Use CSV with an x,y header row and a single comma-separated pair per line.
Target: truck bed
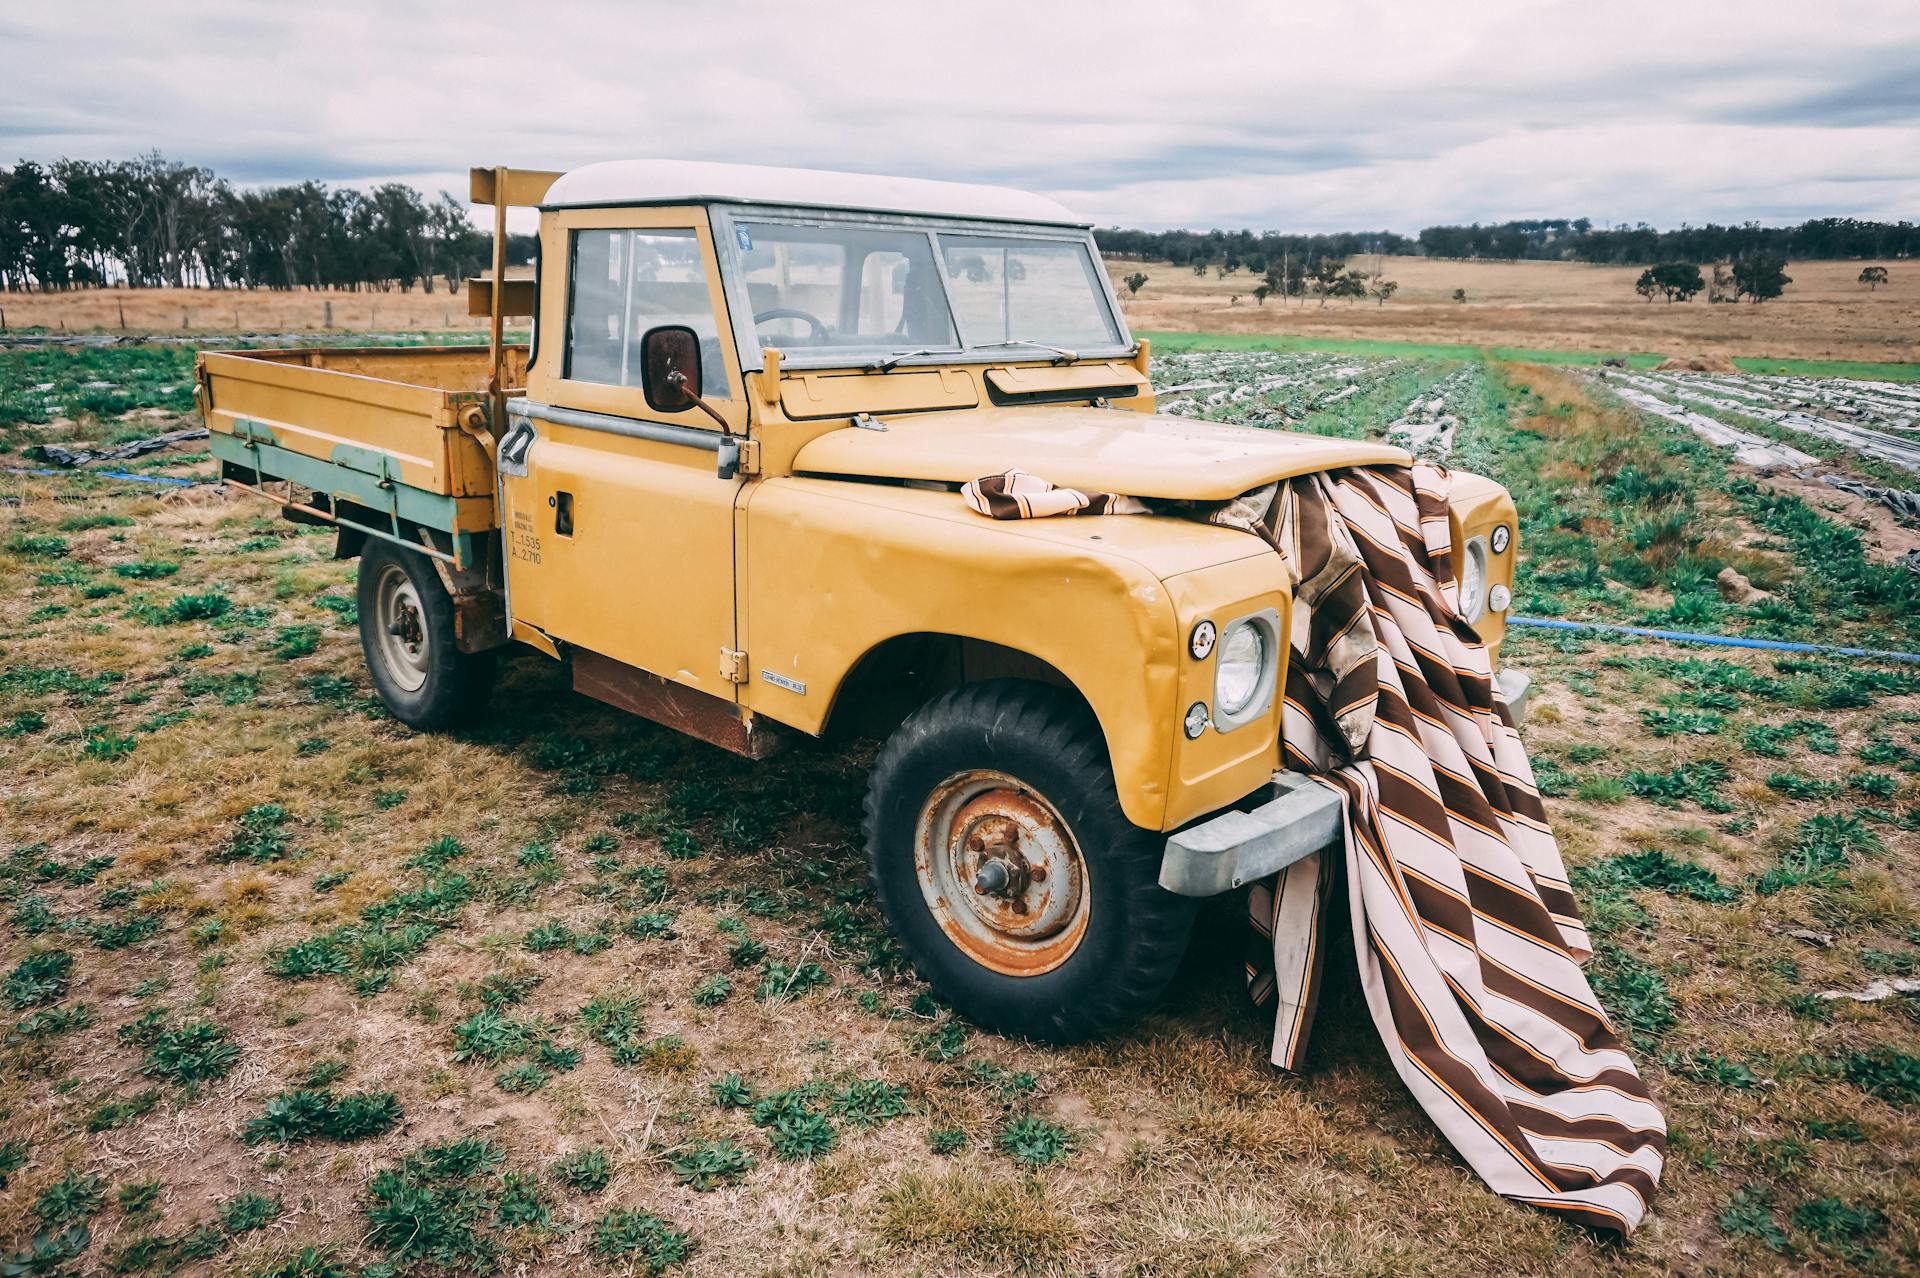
x,y
385,436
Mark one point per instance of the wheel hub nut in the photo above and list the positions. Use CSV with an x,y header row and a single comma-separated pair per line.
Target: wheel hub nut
x,y
993,878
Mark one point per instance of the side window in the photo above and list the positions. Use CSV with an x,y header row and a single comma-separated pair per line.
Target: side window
x,y
622,283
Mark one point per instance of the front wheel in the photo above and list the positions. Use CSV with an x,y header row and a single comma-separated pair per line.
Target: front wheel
x,y
407,635
1005,866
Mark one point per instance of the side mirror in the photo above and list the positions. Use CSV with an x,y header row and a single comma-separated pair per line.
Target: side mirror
x,y
670,368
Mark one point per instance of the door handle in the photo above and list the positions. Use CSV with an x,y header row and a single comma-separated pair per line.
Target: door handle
x,y
562,503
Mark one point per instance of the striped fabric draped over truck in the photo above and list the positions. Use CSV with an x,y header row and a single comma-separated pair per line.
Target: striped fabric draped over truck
x,y
1466,934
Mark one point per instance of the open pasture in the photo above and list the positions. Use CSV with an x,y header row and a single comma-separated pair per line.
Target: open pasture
x,y
1825,313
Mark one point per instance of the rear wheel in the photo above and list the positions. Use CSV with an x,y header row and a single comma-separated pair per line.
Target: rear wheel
x,y
407,635
1009,873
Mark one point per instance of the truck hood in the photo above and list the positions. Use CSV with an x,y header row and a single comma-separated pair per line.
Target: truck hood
x,y
1092,449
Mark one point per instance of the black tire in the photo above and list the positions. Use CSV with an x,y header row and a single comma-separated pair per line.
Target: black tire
x,y
421,675
1044,738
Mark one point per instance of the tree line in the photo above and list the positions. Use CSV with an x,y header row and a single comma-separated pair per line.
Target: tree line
x,y
152,222
1230,252
1543,239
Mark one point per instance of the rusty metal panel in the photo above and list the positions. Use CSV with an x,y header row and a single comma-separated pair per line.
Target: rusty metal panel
x,y
698,714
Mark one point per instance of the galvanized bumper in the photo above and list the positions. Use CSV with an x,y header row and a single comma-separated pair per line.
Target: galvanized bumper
x,y
1299,817
1296,817
1515,688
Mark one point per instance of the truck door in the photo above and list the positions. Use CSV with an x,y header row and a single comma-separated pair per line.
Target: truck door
x,y
619,530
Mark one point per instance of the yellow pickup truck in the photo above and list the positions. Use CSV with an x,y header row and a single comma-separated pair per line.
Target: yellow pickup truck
x,y
722,484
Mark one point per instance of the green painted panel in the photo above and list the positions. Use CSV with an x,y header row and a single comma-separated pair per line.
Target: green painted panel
x,y
370,460
430,510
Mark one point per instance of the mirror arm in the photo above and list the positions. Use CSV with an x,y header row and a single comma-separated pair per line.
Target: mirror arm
x,y
679,379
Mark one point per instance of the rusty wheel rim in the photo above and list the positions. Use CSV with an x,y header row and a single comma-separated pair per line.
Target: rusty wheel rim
x,y
400,629
1002,873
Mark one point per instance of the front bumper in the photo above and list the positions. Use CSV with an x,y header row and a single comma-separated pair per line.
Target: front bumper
x,y
1515,689
1292,818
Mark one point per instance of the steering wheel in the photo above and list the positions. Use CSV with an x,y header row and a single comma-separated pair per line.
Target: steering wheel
x,y
820,332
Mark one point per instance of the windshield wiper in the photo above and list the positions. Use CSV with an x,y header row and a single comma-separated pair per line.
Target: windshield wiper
x,y
891,362
1061,354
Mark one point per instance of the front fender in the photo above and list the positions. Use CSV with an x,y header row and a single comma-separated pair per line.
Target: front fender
x,y
1476,507
830,569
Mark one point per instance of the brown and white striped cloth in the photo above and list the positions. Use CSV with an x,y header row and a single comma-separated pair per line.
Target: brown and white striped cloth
x,y
1467,937
1015,494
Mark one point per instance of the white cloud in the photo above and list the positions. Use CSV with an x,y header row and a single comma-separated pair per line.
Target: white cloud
x,y
1147,113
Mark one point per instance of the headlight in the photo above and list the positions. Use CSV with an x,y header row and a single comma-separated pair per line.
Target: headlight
x,y
1245,669
1242,657
1473,580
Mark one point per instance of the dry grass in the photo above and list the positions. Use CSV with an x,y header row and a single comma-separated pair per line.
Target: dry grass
x,y
200,310
1825,313
1189,1154
1570,306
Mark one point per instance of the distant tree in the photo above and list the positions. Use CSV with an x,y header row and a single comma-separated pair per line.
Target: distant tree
x,y
1678,281
1873,277
1459,295
1324,278
1721,289
1199,266
1135,282
1351,285
1383,289
1759,276
1288,279
1261,292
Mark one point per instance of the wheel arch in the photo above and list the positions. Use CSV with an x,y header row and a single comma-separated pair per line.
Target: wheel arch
x,y
897,675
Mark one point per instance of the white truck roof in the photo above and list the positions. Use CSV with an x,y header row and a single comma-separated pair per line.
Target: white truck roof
x,y
616,182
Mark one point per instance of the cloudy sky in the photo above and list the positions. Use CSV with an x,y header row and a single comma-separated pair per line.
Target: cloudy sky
x,y
1364,114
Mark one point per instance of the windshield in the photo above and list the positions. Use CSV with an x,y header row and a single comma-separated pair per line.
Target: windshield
x,y
1008,290
850,287
907,292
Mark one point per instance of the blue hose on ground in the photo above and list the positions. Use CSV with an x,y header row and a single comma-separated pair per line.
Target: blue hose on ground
x,y
168,480
1718,641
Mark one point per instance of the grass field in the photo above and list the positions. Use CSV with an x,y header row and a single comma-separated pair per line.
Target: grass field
x,y
1826,324
190,310
297,992
1825,314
